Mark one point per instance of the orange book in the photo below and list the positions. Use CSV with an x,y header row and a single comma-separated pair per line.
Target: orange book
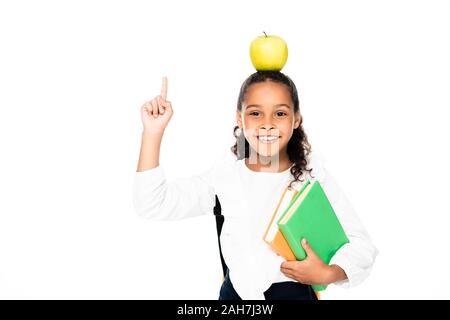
x,y
273,236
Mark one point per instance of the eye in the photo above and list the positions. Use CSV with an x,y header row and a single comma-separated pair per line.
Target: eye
x,y
251,113
283,113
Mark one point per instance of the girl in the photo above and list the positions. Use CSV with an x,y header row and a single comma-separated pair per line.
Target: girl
x,y
271,152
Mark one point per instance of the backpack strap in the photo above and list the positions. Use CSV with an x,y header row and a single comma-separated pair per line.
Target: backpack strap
x,y
219,223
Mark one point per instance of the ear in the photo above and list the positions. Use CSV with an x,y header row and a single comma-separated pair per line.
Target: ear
x,y
238,119
298,120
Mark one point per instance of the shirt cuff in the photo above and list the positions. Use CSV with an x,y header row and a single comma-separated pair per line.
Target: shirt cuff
x,y
156,172
147,180
341,260
145,183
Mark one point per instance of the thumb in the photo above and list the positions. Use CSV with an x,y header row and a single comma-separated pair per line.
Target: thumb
x,y
309,251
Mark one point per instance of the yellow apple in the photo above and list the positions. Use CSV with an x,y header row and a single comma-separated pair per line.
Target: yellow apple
x,y
268,53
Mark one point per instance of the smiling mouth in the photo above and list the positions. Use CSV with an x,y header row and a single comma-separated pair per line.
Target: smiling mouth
x,y
268,139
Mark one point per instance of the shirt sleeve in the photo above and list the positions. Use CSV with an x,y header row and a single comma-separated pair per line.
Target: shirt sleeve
x,y
154,197
357,257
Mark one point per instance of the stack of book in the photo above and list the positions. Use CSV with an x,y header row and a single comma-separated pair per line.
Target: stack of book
x,y
305,214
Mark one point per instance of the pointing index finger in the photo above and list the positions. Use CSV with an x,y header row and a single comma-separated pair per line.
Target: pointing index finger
x,y
164,88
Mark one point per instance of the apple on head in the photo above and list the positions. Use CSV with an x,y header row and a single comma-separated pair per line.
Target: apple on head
x,y
268,53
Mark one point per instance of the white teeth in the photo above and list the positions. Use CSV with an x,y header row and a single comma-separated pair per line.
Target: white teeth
x,y
267,138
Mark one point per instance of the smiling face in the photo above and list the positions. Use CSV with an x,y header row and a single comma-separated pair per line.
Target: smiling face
x,y
268,120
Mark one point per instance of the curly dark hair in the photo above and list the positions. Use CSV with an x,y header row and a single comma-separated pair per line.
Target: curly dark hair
x,y
298,146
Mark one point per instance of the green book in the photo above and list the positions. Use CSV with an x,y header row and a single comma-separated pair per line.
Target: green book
x,y
311,216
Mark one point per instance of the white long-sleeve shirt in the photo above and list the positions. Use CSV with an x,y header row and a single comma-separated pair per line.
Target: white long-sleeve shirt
x,y
248,200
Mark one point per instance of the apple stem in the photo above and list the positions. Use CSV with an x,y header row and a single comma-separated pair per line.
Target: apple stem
x,y
265,34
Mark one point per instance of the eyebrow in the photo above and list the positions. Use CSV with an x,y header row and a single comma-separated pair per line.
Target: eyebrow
x,y
277,105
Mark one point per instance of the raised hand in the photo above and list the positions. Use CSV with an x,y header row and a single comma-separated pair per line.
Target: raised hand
x,y
157,112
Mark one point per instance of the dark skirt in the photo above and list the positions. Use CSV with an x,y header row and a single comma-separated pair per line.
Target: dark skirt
x,y
288,290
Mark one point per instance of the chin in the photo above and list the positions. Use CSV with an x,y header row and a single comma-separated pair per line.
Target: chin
x,y
266,151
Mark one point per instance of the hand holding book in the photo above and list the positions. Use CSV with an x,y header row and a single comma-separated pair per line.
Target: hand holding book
x,y
307,214
312,270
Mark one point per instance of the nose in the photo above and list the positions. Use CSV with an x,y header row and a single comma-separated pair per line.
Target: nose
x,y
267,123
267,127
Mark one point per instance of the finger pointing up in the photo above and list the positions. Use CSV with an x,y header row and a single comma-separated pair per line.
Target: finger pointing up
x,y
164,89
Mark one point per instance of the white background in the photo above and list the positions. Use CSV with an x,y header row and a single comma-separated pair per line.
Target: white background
x,y
373,79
